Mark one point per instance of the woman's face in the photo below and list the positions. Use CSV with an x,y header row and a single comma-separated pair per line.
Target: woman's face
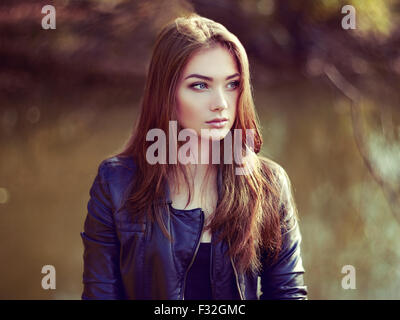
x,y
208,90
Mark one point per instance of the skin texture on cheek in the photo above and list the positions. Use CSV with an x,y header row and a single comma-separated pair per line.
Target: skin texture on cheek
x,y
188,111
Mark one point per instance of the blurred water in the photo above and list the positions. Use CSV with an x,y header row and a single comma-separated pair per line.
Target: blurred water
x,y
48,165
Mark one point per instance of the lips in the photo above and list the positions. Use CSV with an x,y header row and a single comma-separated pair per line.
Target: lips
x,y
217,120
217,123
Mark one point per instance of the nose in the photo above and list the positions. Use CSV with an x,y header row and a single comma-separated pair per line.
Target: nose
x,y
220,102
218,108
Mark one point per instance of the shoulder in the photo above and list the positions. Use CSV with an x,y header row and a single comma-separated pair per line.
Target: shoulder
x,y
115,166
276,170
117,173
118,162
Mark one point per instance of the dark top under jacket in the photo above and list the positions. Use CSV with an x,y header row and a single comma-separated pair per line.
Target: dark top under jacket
x,y
198,286
127,258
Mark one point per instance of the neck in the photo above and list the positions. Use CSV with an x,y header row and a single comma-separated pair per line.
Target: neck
x,y
201,168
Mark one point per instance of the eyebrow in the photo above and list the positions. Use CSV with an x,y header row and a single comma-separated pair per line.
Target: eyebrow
x,y
194,75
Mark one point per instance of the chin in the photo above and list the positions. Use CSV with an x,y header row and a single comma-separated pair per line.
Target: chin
x,y
216,136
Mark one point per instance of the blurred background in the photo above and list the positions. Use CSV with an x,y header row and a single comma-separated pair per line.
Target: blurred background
x,y
327,98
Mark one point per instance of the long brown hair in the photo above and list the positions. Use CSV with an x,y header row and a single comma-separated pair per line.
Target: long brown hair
x,y
247,214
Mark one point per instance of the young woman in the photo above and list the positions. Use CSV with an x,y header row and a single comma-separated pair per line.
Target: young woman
x,y
175,219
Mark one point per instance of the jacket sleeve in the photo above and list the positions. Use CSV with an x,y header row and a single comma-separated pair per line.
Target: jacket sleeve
x,y
101,275
283,279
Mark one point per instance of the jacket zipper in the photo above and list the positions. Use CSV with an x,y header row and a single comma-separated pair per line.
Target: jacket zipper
x,y
194,256
237,280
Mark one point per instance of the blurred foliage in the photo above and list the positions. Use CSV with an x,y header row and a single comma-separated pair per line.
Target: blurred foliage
x,y
96,39
328,100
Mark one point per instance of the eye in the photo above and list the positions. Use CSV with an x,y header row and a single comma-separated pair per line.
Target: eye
x,y
235,84
198,84
203,85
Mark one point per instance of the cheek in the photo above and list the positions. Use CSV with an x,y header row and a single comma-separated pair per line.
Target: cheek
x,y
233,109
188,110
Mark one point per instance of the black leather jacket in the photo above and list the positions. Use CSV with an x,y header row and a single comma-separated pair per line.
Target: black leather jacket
x,y
124,259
